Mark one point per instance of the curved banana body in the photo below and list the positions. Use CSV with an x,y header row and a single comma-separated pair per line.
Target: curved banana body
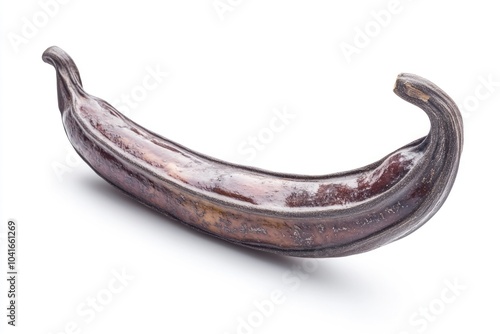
x,y
308,216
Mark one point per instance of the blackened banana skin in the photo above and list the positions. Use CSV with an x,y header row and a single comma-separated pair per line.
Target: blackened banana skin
x,y
307,216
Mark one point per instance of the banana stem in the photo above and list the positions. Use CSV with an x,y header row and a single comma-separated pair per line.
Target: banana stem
x,y
69,82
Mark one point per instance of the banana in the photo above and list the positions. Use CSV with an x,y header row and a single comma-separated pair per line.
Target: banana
x,y
305,216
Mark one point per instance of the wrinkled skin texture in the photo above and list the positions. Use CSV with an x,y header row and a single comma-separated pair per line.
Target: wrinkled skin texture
x,y
308,216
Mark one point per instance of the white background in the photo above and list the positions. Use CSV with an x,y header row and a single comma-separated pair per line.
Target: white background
x,y
227,75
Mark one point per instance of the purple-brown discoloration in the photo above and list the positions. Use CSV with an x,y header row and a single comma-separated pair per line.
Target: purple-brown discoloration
x,y
317,216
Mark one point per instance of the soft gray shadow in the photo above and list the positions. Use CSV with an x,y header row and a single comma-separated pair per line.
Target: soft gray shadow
x,y
331,279
332,288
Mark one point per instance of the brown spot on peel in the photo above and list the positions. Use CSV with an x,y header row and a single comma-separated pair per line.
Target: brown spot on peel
x,y
413,92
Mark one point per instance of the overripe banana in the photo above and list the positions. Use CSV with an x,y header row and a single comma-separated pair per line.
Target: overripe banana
x,y
308,216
